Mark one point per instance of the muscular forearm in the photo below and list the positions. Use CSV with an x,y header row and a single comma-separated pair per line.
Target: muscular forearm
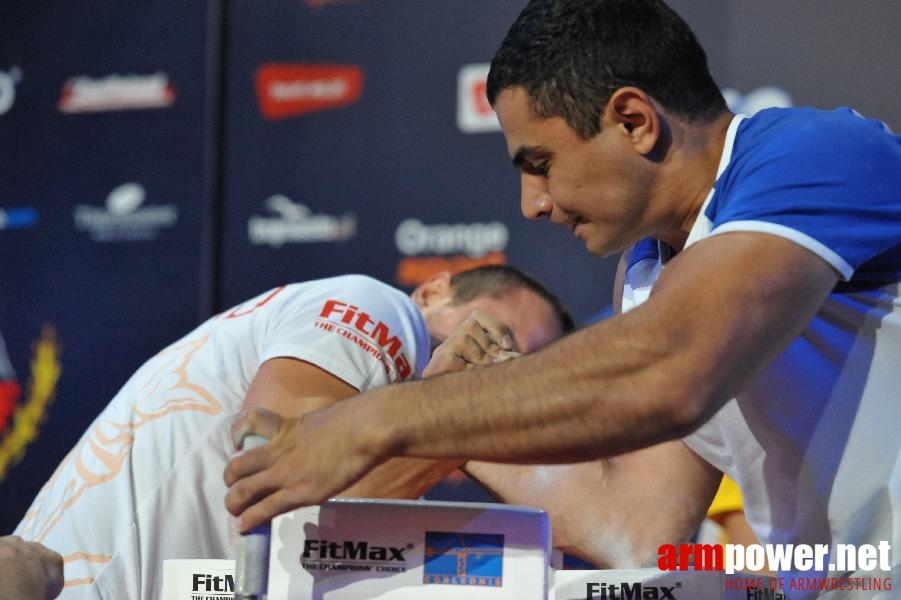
x,y
404,478
568,403
614,513
649,376
716,318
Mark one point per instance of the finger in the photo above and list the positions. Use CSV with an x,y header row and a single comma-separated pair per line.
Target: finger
x,y
473,332
249,490
471,341
274,504
247,463
496,331
255,421
444,362
472,351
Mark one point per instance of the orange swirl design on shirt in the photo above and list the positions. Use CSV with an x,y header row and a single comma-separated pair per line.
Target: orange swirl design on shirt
x,y
161,388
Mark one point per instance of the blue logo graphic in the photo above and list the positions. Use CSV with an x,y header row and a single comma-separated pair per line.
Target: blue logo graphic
x,y
18,218
464,559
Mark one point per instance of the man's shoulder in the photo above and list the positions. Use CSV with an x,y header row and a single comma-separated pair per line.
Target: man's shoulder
x,y
788,130
357,284
797,148
358,292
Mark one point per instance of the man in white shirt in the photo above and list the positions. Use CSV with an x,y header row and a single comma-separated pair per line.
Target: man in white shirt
x,y
144,484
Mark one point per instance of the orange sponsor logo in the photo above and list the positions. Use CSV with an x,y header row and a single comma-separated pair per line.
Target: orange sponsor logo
x,y
287,90
413,270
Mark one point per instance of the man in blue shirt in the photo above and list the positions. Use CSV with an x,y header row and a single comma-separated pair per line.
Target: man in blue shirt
x,y
759,325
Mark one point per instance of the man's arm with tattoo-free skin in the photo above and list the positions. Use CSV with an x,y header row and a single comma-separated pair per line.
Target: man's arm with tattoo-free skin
x,y
721,311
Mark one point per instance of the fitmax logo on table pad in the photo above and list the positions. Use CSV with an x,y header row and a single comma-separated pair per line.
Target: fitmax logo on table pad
x,y
353,555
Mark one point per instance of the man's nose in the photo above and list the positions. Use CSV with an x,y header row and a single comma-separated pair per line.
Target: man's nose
x,y
535,199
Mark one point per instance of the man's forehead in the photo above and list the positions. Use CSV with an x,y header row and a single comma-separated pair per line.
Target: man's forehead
x,y
513,114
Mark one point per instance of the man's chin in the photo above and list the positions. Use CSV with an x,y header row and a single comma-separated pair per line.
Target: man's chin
x,y
599,250
603,250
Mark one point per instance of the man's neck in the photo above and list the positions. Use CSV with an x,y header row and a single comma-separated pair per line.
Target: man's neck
x,y
696,151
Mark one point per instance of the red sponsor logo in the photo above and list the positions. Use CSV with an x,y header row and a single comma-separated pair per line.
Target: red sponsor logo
x,y
474,112
479,98
287,90
371,335
321,3
10,390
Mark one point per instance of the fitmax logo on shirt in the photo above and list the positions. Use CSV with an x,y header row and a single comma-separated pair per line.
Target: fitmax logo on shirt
x,y
348,320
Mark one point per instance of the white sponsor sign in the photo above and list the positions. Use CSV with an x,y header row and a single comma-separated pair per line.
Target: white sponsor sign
x,y
474,113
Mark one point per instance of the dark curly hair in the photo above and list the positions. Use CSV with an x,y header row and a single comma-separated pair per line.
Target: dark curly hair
x,y
571,55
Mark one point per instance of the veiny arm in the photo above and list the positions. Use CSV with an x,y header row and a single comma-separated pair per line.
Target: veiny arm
x,y
721,312
287,387
613,512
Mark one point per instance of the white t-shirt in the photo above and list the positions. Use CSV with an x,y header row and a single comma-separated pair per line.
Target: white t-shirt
x,y
145,482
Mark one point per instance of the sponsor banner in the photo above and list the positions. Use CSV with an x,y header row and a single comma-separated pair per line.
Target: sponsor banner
x,y
454,247
198,579
757,99
413,237
323,3
289,90
294,223
8,81
125,218
18,218
409,549
474,113
776,557
85,94
464,559
10,390
625,584
413,270
801,567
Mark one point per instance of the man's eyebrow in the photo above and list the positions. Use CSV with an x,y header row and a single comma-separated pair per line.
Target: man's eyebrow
x,y
528,154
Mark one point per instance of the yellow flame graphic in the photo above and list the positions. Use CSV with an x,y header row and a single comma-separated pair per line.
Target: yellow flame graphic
x,y
45,372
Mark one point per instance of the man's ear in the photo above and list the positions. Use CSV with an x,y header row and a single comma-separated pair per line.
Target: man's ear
x,y
437,289
633,111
